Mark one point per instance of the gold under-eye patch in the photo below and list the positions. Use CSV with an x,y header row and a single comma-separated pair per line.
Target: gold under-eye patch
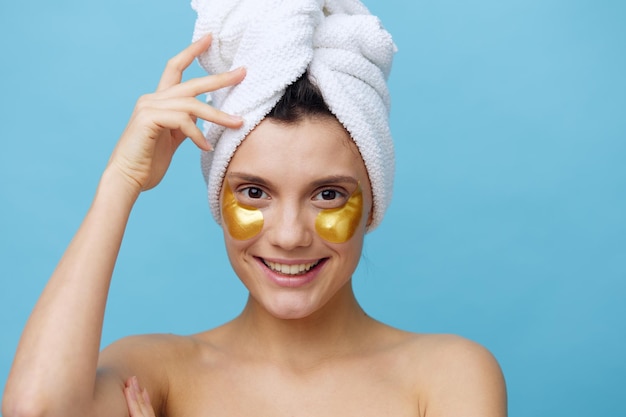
x,y
339,224
243,222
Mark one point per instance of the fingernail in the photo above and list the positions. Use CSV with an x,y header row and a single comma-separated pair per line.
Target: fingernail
x,y
135,383
237,119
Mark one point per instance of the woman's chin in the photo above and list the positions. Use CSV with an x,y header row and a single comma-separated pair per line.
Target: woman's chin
x,y
290,307
289,313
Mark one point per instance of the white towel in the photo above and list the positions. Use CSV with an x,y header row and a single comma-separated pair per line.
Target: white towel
x,y
344,48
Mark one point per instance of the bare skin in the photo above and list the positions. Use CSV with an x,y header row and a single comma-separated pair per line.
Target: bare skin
x,y
312,351
408,375
303,348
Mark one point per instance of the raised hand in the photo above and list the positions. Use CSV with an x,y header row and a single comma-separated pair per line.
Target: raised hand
x,y
163,119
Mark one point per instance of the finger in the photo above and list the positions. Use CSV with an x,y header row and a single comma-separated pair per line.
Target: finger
x,y
190,130
144,406
147,410
197,86
173,72
196,109
181,121
132,401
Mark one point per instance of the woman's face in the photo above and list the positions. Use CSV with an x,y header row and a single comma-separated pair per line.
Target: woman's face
x,y
295,203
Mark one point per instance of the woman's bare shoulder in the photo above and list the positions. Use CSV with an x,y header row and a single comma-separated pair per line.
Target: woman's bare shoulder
x,y
148,344
161,347
455,376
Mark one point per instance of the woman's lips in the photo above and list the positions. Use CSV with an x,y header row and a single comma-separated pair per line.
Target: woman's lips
x,y
290,269
291,273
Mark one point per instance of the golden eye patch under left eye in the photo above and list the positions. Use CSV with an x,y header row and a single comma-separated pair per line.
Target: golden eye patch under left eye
x,y
243,222
339,224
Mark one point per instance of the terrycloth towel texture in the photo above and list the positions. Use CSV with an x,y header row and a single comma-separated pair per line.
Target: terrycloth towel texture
x,y
346,51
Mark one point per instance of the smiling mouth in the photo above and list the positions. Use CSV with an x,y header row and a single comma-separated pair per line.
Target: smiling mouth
x,y
292,270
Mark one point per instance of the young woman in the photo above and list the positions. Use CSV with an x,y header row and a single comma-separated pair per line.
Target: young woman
x,y
295,199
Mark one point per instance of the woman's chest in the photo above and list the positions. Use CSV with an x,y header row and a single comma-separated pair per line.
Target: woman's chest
x,y
366,390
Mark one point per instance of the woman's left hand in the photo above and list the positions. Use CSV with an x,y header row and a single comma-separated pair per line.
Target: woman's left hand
x,y
138,400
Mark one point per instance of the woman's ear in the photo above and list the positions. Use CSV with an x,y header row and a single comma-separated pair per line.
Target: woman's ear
x,y
370,216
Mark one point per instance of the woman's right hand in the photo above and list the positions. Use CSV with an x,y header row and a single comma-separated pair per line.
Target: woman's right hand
x,y
163,119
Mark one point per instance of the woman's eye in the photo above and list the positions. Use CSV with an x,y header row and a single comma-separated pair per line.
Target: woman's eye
x,y
328,195
253,192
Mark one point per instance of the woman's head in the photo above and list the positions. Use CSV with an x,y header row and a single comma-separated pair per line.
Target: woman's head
x,y
346,53
287,178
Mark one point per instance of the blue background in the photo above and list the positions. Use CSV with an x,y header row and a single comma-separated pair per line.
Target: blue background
x,y
508,220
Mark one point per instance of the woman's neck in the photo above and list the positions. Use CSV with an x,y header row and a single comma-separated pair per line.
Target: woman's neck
x,y
339,328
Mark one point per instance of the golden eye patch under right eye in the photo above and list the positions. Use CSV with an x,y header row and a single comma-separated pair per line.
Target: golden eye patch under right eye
x,y
243,222
339,224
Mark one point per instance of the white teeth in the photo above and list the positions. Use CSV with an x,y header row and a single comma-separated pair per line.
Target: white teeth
x,y
290,269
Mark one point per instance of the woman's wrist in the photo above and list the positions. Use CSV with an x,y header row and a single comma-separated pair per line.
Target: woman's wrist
x,y
114,187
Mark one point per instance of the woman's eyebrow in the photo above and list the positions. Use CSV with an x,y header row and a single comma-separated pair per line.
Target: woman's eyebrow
x,y
331,179
249,178
334,179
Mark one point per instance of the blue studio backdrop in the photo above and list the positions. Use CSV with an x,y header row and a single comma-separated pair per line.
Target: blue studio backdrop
x,y
508,219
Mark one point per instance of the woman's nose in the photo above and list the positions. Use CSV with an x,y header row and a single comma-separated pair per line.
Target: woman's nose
x,y
289,227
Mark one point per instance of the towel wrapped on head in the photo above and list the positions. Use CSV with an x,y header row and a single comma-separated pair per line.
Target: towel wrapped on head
x,y
338,42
